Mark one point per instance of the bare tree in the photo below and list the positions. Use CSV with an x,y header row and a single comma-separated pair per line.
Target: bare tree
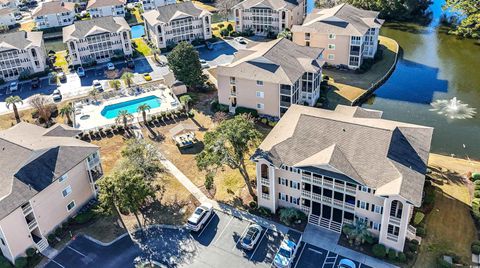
x,y
42,105
225,7
326,3
219,117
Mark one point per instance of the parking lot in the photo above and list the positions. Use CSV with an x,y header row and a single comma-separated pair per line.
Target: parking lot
x,y
216,245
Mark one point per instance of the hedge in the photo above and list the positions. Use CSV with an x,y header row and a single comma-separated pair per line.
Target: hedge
x,y
401,257
476,194
21,262
290,215
84,217
4,263
379,250
421,231
477,186
477,182
392,255
244,110
475,176
475,247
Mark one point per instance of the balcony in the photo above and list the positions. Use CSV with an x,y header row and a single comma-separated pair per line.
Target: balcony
x,y
307,178
351,190
349,206
27,208
316,197
411,232
395,220
93,162
285,103
354,53
265,196
306,193
338,203
285,92
392,237
233,93
32,224
306,209
327,199
327,184
265,181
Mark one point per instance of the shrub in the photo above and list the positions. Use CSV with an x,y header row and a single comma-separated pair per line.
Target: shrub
x,y
476,194
477,186
290,215
30,252
84,217
252,204
265,212
476,176
410,255
379,250
209,181
244,110
477,182
221,25
421,231
4,263
413,247
224,32
51,239
59,232
475,249
21,262
392,255
429,196
230,28
419,216
441,263
370,239
401,257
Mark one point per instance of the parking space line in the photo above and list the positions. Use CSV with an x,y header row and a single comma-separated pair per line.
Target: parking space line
x,y
225,228
80,253
57,263
205,227
258,244
239,238
300,256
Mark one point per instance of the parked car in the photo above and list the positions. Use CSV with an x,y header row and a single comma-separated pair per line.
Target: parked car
x,y
346,263
35,82
18,16
241,40
285,254
147,77
81,71
97,85
199,217
23,8
251,237
204,64
62,77
110,66
13,86
57,96
130,64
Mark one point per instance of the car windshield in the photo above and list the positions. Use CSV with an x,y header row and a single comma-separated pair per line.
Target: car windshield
x,y
198,211
284,252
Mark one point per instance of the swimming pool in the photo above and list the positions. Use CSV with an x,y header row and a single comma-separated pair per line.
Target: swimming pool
x,y
137,31
111,111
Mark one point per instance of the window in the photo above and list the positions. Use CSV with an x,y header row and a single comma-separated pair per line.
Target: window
x,y
282,181
260,94
260,106
307,43
307,36
377,209
295,200
294,185
331,56
232,80
63,177
331,46
67,191
394,230
362,204
259,83
71,205
283,196
3,242
376,226
331,36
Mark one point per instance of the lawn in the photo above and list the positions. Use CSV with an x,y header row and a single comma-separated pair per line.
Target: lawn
x,y
27,26
216,29
61,61
349,85
8,120
205,6
449,226
137,15
142,48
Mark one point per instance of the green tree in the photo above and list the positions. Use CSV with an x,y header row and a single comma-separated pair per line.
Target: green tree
x,y
185,64
185,100
66,111
142,156
115,84
127,77
123,117
285,34
357,232
94,93
127,190
13,101
144,108
469,23
228,144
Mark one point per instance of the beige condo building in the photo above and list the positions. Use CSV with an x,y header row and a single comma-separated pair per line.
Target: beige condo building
x,y
269,77
46,176
344,166
348,34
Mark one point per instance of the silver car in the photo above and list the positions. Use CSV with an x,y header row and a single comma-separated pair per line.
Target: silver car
x,y
251,237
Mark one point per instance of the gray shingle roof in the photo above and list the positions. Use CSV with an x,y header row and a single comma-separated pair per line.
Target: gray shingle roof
x,y
343,19
105,3
53,7
386,155
278,61
20,40
83,28
175,11
273,4
32,158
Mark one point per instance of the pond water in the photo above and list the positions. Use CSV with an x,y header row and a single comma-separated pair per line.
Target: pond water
x,y
138,31
434,66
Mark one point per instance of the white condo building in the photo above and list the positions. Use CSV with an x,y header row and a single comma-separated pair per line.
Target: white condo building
x,y
171,24
97,40
54,14
153,4
7,17
21,52
343,166
104,8
265,16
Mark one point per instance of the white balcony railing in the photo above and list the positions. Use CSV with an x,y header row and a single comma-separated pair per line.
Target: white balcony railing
x,y
327,199
349,206
316,197
265,196
27,209
395,220
306,193
265,181
307,178
392,237
32,224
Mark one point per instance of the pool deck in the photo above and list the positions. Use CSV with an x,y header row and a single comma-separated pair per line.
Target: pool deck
x,y
96,120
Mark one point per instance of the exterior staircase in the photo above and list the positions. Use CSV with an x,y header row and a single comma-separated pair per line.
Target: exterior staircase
x,y
42,244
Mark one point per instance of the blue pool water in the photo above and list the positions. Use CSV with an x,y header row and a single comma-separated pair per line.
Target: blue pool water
x,y
111,111
138,31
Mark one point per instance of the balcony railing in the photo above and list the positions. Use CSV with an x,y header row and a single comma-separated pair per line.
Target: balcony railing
x,y
285,92
349,206
346,221
327,184
265,181
395,220
27,209
316,197
338,203
351,189
32,224
327,199
306,193
265,196
306,209
392,237
307,178
93,162
285,103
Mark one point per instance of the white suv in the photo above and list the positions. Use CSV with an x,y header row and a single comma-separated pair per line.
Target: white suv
x,y
199,217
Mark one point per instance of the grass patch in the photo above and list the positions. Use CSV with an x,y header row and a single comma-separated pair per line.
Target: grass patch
x,y
61,60
216,29
110,151
27,26
141,47
205,6
136,13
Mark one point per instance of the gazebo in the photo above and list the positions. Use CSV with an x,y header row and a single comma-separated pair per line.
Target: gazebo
x,y
184,135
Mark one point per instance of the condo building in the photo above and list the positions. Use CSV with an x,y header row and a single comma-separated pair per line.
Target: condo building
x,y
97,40
21,53
105,8
46,176
344,166
9,4
269,77
54,14
348,34
265,17
168,25
7,17
153,4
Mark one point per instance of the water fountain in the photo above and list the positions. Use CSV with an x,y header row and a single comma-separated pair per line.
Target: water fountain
x,y
453,109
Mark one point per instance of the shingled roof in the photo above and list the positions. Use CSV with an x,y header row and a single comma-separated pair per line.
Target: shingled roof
x,y
20,40
105,3
343,19
53,7
174,11
356,143
83,28
32,158
272,4
279,61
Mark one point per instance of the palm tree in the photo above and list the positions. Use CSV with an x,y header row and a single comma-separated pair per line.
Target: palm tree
x,y
185,100
66,111
94,94
123,117
127,78
143,109
357,232
13,100
115,84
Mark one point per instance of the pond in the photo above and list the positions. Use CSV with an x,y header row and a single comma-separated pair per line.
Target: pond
x,y
138,31
434,67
